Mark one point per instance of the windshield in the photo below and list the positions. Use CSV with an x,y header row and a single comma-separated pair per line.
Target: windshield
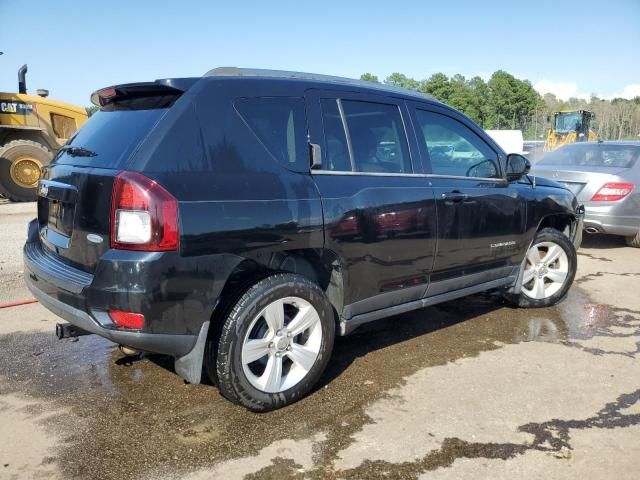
x,y
108,139
568,122
599,155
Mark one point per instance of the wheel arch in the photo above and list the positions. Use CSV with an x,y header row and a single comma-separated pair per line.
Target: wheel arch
x,y
563,222
321,266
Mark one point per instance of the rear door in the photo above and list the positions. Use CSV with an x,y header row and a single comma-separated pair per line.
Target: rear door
x,y
74,196
481,217
379,214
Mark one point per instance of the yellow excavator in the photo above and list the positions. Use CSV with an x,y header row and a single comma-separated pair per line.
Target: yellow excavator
x,y
569,126
32,130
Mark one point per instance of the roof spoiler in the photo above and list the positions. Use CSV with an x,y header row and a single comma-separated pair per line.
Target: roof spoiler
x,y
128,91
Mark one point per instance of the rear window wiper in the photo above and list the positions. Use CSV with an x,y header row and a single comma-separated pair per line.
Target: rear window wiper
x,y
78,151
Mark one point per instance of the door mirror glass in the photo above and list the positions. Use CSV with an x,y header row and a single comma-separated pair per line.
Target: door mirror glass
x,y
517,166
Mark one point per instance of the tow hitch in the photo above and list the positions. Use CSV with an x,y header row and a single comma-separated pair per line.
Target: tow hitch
x,y
66,330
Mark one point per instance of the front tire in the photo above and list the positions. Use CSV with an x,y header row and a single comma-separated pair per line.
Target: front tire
x,y
274,344
548,270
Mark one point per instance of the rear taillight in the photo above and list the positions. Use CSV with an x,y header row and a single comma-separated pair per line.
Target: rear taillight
x,y
610,192
134,321
144,216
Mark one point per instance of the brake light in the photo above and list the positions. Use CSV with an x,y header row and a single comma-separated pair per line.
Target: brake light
x,y
610,192
134,321
144,216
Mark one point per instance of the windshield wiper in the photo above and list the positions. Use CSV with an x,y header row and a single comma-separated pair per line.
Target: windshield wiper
x,y
78,151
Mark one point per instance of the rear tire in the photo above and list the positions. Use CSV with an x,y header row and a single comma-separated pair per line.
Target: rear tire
x,y
21,163
548,270
274,344
633,241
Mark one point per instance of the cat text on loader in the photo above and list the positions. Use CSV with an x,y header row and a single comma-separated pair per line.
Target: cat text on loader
x,y
32,130
569,126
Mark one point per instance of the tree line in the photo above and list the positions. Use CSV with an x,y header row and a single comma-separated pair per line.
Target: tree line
x,y
506,102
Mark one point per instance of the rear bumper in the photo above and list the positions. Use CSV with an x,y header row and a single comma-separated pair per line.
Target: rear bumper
x,y
177,305
174,345
607,219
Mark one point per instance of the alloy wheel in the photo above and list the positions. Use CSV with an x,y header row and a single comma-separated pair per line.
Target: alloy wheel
x,y
546,270
282,344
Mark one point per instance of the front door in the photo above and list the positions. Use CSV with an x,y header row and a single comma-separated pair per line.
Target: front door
x,y
481,217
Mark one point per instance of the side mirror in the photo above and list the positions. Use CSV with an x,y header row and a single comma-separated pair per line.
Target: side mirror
x,y
316,156
548,118
517,167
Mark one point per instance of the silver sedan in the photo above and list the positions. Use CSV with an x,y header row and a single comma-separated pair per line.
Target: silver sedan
x,y
605,177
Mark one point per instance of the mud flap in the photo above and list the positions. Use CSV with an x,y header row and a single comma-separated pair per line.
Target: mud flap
x,y
189,366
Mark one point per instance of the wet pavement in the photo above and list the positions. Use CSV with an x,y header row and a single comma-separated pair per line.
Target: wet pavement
x,y
467,389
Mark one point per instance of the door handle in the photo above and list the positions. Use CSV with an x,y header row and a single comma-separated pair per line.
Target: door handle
x,y
455,197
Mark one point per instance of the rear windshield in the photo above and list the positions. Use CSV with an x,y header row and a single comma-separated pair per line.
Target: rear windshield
x,y
619,156
108,138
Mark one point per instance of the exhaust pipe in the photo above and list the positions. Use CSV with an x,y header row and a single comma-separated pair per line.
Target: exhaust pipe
x,y
591,230
128,351
22,82
66,330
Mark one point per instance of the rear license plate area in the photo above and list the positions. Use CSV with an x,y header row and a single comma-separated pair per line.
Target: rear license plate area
x,y
60,217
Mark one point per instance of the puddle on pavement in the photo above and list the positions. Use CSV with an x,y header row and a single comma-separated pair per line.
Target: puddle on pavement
x,y
130,417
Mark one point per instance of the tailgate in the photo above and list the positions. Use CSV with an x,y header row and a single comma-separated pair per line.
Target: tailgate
x,y
74,205
74,195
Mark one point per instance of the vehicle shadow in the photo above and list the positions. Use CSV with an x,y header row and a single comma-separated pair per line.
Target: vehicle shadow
x,y
602,241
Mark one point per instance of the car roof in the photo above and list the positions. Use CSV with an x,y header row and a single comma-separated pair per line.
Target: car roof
x,y
316,78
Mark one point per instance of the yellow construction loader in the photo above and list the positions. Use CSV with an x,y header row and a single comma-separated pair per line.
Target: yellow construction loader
x,y
32,130
569,126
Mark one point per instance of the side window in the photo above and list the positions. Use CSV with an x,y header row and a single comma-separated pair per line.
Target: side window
x,y
63,127
378,139
280,124
336,150
454,149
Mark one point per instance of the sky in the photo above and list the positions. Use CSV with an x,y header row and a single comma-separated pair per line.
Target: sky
x,y
570,48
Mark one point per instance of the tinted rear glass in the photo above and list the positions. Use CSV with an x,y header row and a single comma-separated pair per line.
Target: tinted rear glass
x,y
111,136
280,124
619,156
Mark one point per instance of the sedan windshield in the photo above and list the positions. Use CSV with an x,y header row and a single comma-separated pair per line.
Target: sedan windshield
x,y
594,155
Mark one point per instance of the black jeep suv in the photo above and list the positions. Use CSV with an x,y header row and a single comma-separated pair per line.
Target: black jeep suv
x,y
240,220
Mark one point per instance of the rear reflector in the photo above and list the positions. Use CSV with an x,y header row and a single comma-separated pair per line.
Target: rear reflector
x,y
610,192
144,216
134,321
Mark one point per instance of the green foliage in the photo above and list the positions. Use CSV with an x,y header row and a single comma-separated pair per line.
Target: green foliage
x,y
438,86
91,110
369,77
402,81
506,102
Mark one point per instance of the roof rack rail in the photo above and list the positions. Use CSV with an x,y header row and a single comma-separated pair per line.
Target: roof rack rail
x,y
265,73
